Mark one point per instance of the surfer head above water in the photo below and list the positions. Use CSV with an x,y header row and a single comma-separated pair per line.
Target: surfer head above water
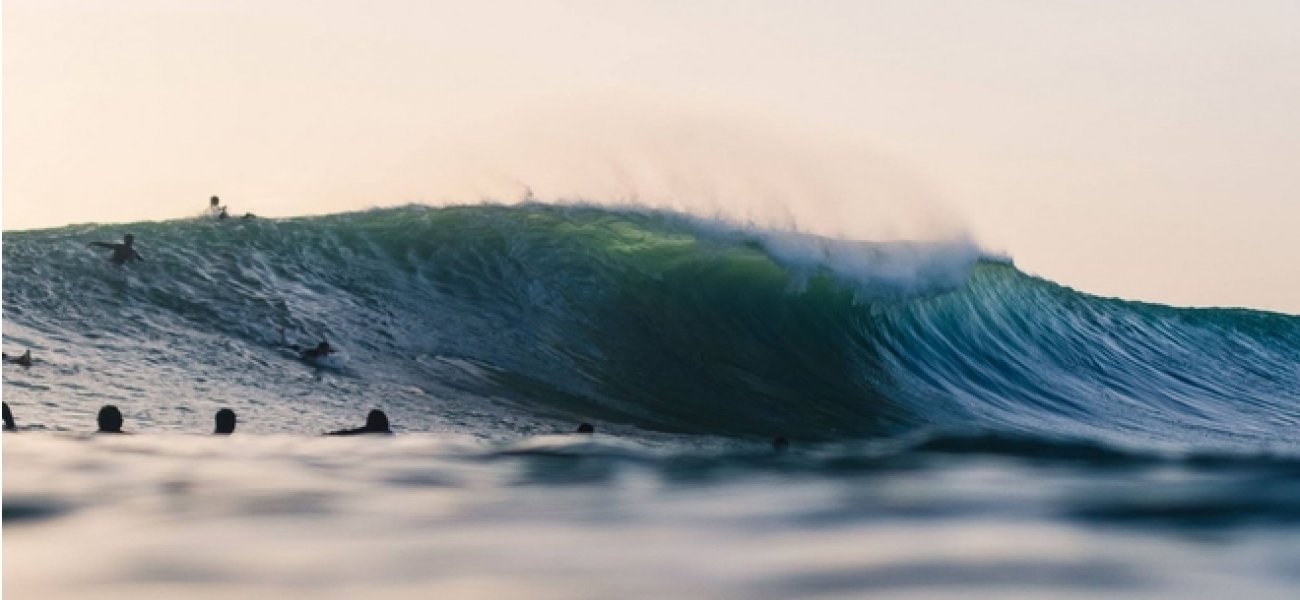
x,y
123,252
110,419
225,422
376,422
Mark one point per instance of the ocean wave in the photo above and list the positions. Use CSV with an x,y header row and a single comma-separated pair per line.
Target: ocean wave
x,y
503,317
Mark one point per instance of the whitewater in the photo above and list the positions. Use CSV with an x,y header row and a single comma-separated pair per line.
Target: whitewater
x,y
959,428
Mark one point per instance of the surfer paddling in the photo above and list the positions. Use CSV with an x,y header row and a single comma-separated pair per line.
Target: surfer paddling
x,y
376,422
123,252
321,350
24,360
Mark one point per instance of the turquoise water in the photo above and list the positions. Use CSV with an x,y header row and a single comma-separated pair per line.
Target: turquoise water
x,y
959,428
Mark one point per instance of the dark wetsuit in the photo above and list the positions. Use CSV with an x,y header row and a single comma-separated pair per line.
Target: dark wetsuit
x,y
361,431
321,350
376,422
122,253
24,360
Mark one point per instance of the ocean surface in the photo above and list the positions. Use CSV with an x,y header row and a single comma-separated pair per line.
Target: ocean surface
x,y
957,428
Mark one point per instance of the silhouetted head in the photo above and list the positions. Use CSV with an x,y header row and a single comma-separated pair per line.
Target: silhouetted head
x,y
9,418
324,347
225,421
214,201
128,239
110,419
780,444
586,428
377,421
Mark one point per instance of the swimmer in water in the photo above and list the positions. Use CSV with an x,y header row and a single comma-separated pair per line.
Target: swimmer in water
x,y
24,360
586,429
9,418
321,350
225,422
123,252
110,419
376,422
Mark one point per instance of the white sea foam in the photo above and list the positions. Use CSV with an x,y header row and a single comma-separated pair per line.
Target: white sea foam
x,y
889,268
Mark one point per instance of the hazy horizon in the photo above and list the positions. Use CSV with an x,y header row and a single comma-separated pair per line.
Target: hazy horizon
x,y
1139,150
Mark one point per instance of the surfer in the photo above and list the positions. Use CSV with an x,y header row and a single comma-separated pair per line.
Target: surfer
x,y
216,211
376,422
780,444
110,419
9,418
321,350
225,422
123,252
585,429
24,360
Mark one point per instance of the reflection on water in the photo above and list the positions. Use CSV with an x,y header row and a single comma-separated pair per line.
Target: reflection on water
x,y
564,517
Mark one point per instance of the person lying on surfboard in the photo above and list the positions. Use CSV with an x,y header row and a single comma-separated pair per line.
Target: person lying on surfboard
x,y
123,252
376,422
24,360
321,350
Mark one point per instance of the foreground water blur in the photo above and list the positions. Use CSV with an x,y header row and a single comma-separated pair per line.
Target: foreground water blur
x,y
417,516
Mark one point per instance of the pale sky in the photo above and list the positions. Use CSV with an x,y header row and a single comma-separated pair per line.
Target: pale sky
x,y
1142,149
